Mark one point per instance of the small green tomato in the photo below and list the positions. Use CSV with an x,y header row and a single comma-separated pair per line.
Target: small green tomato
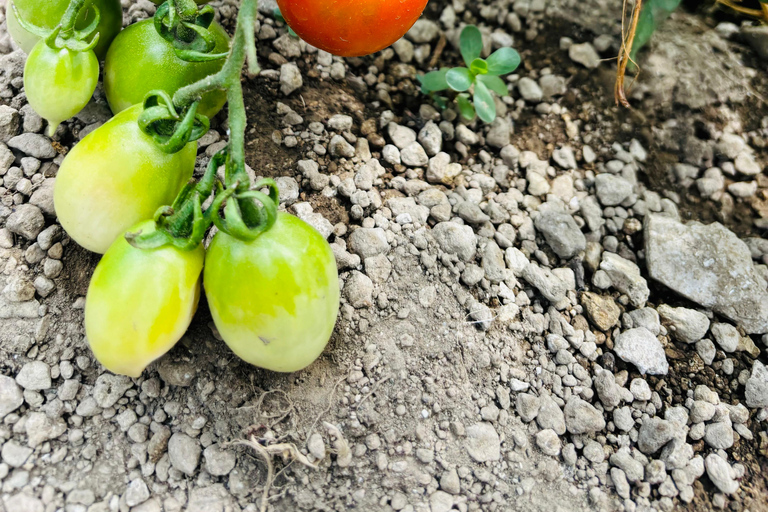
x,y
59,83
140,303
274,300
115,177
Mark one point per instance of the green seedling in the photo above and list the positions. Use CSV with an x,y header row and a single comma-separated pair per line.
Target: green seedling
x,y
475,82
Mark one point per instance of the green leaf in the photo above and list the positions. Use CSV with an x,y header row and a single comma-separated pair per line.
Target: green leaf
x,y
484,104
494,83
503,61
465,107
459,79
441,101
479,67
471,44
653,13
433,81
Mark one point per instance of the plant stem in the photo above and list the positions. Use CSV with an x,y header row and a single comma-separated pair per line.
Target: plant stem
x,y
70,16
228,78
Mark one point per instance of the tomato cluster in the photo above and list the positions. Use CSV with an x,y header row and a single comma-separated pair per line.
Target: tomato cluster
x,y
271,283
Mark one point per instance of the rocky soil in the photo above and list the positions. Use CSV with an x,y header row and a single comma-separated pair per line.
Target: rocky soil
x,y
562,311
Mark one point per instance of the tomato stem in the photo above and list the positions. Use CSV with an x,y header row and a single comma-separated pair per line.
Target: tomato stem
x,y
70,16
239,207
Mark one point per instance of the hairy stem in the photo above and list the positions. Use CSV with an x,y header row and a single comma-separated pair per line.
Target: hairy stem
x,y
70,16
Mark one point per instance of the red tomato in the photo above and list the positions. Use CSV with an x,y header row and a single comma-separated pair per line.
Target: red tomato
x,y
351,28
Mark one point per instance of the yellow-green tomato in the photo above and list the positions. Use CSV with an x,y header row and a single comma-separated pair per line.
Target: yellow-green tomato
x,y
140,302
274,300
46,14
115,177
59,83
140,60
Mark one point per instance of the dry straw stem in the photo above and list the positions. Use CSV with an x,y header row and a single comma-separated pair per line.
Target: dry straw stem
x,y
627,40
761,13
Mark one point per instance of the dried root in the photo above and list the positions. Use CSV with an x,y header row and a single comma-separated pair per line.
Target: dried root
x,y
287,451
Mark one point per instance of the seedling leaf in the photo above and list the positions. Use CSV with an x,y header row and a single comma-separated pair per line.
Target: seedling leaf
x,y
471,44
459,79
503,61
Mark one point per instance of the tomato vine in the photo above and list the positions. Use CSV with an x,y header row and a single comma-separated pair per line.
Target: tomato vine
x,y
172,122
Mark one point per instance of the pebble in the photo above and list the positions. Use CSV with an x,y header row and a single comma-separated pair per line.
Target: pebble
x,y
219,461
601,311
584,54
654,434
483,443
721,474
456,239
625,276
290,78
687,325
184,453
136,493
34,376
612,190
549,442
640,347
26,220
33,144
582,418
756,392
726,336
561,232
11,397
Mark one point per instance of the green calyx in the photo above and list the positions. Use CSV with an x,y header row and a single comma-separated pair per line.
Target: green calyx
x,y
237,207
64,35
171,129
186,26
476,81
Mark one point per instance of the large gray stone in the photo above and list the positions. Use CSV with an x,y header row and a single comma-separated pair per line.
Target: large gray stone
x,y
708,265
483,442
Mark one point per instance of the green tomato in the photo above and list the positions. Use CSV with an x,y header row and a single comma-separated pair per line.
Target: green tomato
x,y
140,60
47,14
59,83
274,300
115,177
140,302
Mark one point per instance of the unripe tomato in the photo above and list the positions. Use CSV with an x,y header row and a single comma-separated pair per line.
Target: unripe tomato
x,y
115,177
351,28
274,300
47,15
140,302
59,83
140,60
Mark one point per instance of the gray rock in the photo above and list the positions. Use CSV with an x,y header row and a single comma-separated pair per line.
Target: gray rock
x,y
10,122
640,390
527,406
340,122
219,461
654,434
727,336
413,155
136,493
423,31
756,392
721,474
625,277
43,197
33,144
632,468
687,325
441,170
339,147
22,502
450,482
719,435
529,90
110,388
584,54
607,389
622,418
367,242
407,205
612,190
552,85
701,411
290,78
431,138
676,454
456,239
11,397
26,220
550,416
548,442
561,232
34,376
176,373
706,350
549,285
184,453
499,134
483,442
471,213
14,454
358,290
619,479
40,428
401,136
493,263
710,266
641,348
582,418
